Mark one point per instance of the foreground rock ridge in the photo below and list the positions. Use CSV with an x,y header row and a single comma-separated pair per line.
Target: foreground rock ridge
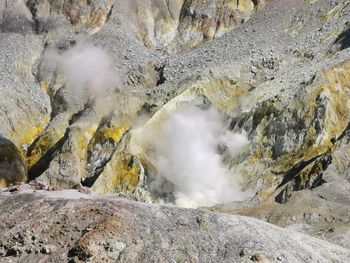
x,y
68,226
88,89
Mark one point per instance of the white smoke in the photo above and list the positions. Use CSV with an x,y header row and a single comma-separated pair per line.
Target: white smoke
x,y
87,69
188,156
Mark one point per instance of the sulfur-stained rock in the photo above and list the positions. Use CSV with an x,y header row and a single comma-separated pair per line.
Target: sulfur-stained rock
x,y
284,136
102,147
87,16
122,173
224,93
13,169
203,21
289,140
64,167
156,21
47,140
76,147
278,72
321,211
25,107
184,23
159,23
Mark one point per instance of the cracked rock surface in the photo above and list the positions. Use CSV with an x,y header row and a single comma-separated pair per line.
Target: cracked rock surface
x,y
85,229
277,71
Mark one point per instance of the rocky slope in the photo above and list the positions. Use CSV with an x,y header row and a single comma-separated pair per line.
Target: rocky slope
x,y
68,226
89,89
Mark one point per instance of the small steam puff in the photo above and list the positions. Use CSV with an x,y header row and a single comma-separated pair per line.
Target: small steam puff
x,y
189,158
87,68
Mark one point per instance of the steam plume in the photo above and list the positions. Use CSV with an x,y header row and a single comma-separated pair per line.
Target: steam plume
x,y
188,156
87,68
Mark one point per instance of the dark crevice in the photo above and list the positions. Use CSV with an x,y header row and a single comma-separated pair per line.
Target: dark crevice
x,y
185,11
109,14
319,167
90,180
255,2
283,196
37,26
343,40
32,8
309,180
147,109
341,136
325,160
43,164
318,181
76,116
161,77
45,160
58,103
292,173
32,146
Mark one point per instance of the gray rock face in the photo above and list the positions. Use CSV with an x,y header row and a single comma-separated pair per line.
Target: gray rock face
x,y
26,109
179,24
276,70
15,17
84,16
117,230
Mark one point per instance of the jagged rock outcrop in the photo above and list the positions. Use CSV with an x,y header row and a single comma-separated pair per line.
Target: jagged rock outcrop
x,y
158,23
117,230
288,135
276,70
88,16
25,107
186,23
321,211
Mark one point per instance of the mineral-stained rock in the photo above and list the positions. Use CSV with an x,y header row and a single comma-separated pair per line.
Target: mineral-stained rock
x,y
13,169
87,16
280,75
102,147
203,21
287,137
66,168
159,23
77,147
185,23
117,230
321,211
25,107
